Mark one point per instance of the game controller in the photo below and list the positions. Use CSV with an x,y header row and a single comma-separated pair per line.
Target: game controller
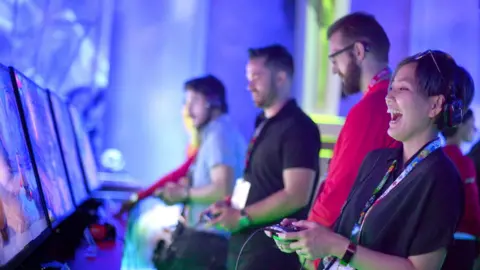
x,y
209,216
278,228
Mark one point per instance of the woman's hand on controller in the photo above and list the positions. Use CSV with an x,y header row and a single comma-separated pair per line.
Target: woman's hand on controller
x,y
313,241
284,246
285,222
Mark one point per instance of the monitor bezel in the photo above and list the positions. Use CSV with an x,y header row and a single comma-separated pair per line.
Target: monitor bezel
x,y
90,191
58,220
29,248
52,95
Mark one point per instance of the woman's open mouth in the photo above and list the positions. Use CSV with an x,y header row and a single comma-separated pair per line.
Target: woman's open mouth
x,y
395,116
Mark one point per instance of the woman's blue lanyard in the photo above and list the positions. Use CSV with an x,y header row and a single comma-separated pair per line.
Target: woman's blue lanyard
x,y
376,197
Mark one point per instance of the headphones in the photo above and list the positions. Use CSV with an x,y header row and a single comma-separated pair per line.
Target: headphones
x,y
452,109
213,101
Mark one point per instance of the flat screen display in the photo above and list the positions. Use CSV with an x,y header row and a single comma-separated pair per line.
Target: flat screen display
x,y
85,149
46,149
22,218
68,143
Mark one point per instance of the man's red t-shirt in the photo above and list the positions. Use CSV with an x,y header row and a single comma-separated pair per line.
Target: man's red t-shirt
x,y
365,130
470,222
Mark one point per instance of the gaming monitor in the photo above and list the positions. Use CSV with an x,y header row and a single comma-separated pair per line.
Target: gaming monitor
x,y
85,150
68,146
46,148
23,222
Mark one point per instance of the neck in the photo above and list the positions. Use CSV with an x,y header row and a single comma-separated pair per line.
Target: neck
x,y
414,145
453,141
369,70
276,106
215,114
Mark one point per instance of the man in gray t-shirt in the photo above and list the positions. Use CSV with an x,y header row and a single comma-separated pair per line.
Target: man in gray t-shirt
x,y
219,162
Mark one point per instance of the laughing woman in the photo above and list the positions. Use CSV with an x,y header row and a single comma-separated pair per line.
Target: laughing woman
x,y
406,203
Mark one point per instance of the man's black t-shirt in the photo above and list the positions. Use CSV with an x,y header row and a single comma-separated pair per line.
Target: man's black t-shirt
x,y
290,139
418,216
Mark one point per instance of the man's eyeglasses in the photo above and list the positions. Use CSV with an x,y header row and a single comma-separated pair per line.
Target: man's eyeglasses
x,y
347,48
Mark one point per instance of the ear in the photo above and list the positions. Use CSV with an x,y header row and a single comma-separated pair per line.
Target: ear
x,y
436,105
359,51
281,77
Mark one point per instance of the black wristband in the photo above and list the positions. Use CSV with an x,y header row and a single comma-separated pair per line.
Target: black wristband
x,y
349,253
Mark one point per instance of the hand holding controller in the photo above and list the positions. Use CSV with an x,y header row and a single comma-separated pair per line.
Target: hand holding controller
x,y
285,226
208,215
279,228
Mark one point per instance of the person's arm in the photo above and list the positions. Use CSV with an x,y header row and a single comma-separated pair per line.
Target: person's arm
x,y
221,158
368,259
358,137
173,176
300,154
221,176
472,203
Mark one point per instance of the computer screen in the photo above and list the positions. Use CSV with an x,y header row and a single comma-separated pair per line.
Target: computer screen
x,y
46,149
22,215
68,143
85,149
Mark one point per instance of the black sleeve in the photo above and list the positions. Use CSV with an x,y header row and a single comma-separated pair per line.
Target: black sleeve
x,y
300,147
368,165
441,213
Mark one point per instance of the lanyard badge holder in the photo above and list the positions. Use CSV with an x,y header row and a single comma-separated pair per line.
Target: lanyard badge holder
x,y
376,198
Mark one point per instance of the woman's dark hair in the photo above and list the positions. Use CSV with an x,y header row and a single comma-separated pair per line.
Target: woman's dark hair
x,y
465,81
450,132
436,74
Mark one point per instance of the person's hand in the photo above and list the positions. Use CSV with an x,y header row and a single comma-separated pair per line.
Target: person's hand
x,y
313,242
213,207
284,246
226,217
184,181
173,193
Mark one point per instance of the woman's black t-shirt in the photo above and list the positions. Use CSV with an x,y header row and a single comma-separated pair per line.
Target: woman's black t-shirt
x,y
418,216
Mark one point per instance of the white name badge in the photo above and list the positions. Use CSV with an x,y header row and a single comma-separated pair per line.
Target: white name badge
x,y
240,193
337,266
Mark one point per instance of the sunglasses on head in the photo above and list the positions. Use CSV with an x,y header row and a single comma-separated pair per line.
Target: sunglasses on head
x,y
430,53
453,109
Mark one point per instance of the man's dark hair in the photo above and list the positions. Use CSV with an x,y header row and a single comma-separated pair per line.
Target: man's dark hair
x,y
212,88
465,82
450,132
276,57
363,27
